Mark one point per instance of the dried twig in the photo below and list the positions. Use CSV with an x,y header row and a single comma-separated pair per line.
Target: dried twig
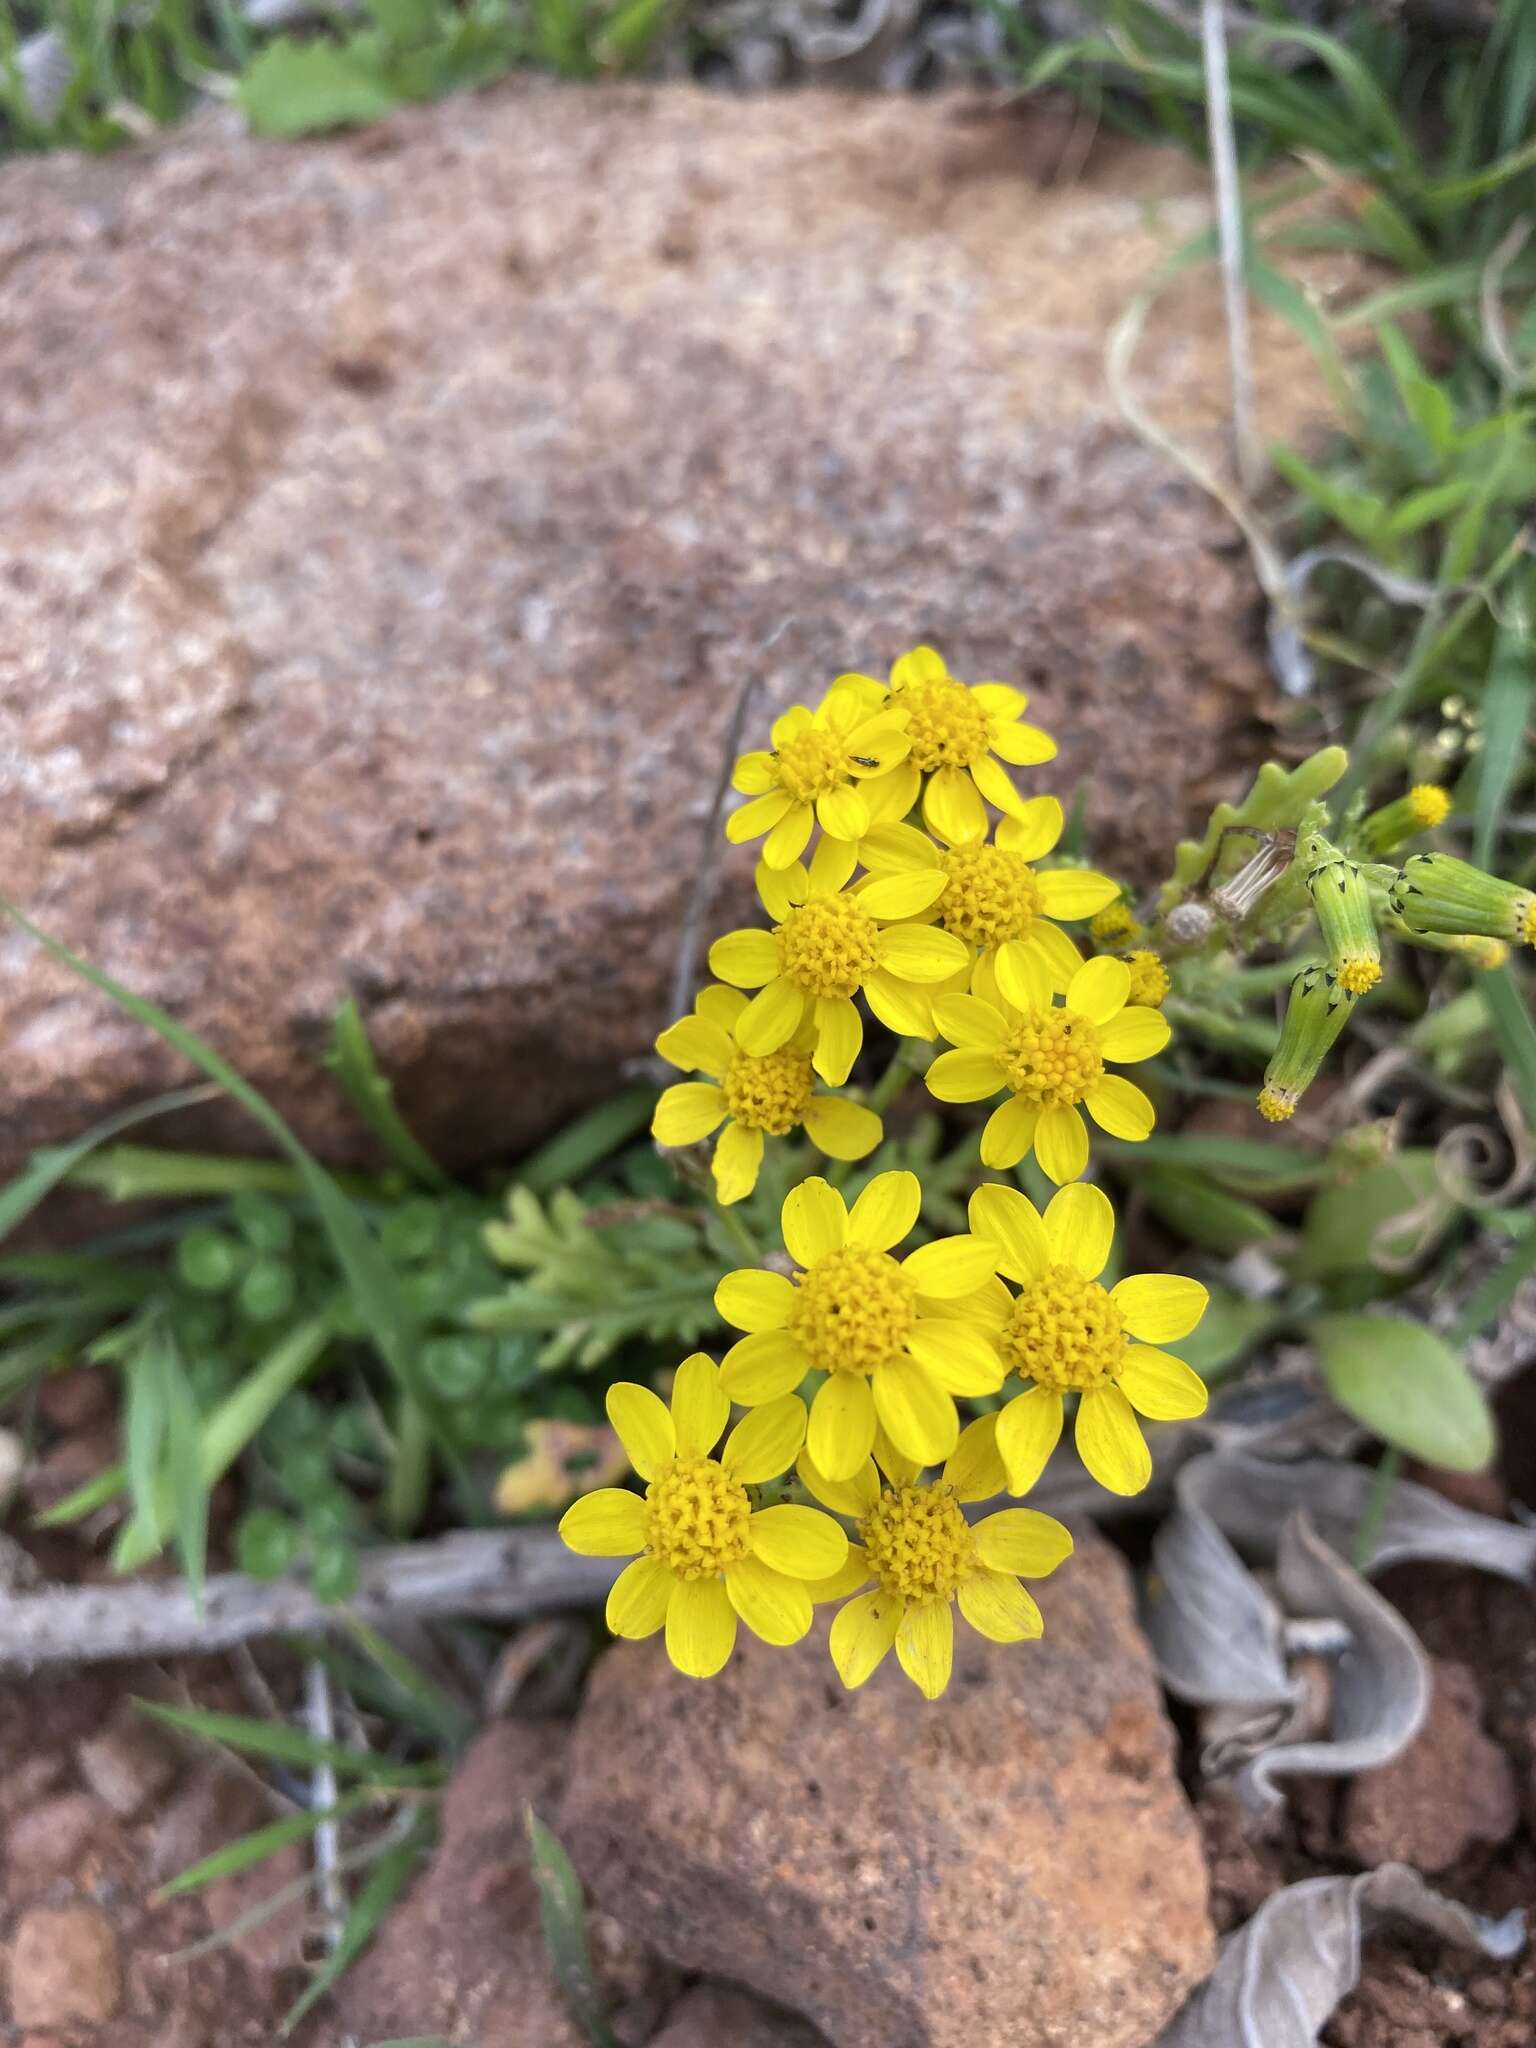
x,y
321,1723
501,1575
1229,229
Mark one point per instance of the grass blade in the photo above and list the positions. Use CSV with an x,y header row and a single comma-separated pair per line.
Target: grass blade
x,y
351,1059
255,1847
55,1163
385,1882
285,1745
1514,1034
587,1142
563,1911
1506,711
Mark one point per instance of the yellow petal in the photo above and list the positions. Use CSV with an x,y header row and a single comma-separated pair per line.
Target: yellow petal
x,y
1074,892
862,1632
831,864
775,1608
925,1646
797,719
974,1468
898,850
1138,1033
1061,1144
814,1221
1025,746
763,1368
1028,1430
1160,1307
780,889
1121,1108
899,1007
789,838
697,1046
755,773
1010,1220
839,1035
1023,975
802,1542
753,819
922,665
996,785
969,1074
701,1627
904,895
608,1523
885,1211
896,1465
1057,950
951,1265
952,806
746,959
853,1497
721,1007
892,795
842,1129
687,1111
843,813
772,1017
970,1023
1100,989
1110,1442
737,1162
700,1407
842,1425
915,1412
750,1299
916,952
855,1573
638,1600
997,1607
1033,829
1080,1228
1022,1541
1008,1134
766,1442
958,1356
1162,1387
1002,700
644,1427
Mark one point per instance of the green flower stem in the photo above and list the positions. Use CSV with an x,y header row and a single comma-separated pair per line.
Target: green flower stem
x,y
1376,1506
901,1070
1217,1028
739,1234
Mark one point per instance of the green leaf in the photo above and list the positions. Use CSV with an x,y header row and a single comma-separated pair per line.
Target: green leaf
x,y
1408,1387
1192,1204
1514,1033
295,88
189,1493
255,1847
1384,1218
287,1745
1423,508
351,1059
592,1138
55,1163
384,1884
1507,705
563,1912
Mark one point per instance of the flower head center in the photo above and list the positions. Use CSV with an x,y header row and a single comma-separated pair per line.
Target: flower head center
x,y
696,1518
945,724
812,764
1052,1058
990,897
919,1545
769,1091
828,946
1064,1332
1149,977
853,1310
1429,804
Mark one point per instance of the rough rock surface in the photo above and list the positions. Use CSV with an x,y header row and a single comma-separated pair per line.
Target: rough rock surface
x,y
715,2016
464,1956
1018,1865
394,519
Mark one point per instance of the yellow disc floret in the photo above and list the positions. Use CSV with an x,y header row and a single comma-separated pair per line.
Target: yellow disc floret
x,y
946,725
828,946
918,1543
812,764
1278,1105
770,1092
853,1310
1114,924
1065,1333
696,1518
1430,805
1359,975
1052,1058
1149,977
1528,923
990,897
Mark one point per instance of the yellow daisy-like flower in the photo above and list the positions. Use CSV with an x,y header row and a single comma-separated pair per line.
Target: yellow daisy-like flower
x,y
1066,1334
897,1339
832,765
926,1557
1050,1059
995,901
958,736
707,1555
1150,981
828,944
753,1096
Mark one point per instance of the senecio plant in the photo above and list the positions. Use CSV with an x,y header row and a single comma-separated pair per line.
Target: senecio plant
x,y
936,894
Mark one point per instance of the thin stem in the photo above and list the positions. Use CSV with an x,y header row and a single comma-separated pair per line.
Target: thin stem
x,y
1376,1507
739,1234
892,1081
411,1475
1229,228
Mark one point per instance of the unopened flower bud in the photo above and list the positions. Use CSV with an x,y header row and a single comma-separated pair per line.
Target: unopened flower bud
x,y
1341,898
1438,893
1318,1009
1115,925
1420,810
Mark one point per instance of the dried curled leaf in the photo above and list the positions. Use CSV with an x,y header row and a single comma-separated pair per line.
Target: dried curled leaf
x,y
1279,1978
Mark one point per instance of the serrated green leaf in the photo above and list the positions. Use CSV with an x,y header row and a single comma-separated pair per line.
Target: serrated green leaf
x,y
1279,797
1405,1384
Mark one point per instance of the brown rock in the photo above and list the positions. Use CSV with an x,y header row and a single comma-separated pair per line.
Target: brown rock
x,y
128,1763
384,641
464,1955
1016,1863
1451,1788
52,1837
64,1967
715,2016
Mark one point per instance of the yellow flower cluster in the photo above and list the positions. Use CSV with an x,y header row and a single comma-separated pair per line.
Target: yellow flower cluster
x,y
847,1476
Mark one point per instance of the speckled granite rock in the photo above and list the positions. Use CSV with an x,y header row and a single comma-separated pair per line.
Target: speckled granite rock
x,y
392,520
1014,1865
